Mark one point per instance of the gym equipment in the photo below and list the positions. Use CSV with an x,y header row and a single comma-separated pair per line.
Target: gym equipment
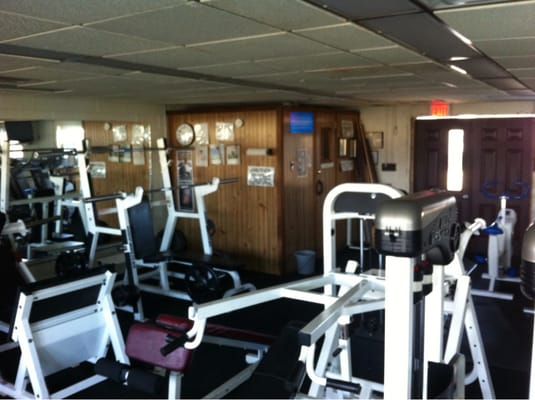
x,y
527,275
200,191
527,266
125,295
422,227
160,344
433,232
60,323
70,262
500,233
20,194
202,274
88,212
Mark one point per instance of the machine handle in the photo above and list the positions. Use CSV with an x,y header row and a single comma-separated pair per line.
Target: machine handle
x,y
173,343
120,195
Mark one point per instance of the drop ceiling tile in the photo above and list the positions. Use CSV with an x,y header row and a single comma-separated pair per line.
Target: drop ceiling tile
x,y
283,45
481,67
504,83
236,69
88,69
424,34
530,82
15,26
8,63
156,79
508,47
78,40
356,10
368,73
507,20
103,86
49,74
516,62
346,36
331,60
523,72
423,68
175,57
523,93
392,55
82,11
282,14
185,24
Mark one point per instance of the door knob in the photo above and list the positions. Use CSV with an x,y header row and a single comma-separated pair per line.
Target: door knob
x,y
319,187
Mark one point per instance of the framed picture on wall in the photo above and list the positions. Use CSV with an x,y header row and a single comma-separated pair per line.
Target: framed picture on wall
x,y
347,128
375,139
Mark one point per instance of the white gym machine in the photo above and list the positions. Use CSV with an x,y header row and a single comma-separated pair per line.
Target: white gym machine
x,y
58,325
500,242
427,214
48,214
527,273
219,264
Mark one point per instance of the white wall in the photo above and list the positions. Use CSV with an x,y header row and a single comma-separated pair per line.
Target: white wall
x,y
396,123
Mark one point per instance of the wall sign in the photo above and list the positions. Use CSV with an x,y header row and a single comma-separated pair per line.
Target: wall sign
x,y
261,176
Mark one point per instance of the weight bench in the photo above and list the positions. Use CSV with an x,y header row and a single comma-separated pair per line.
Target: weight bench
x,y
160,344
203,274
60,323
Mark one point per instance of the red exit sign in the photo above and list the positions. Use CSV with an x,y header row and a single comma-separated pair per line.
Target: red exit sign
x,y
440,108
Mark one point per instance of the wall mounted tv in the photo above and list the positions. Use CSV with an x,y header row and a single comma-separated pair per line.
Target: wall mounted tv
x,y
19,130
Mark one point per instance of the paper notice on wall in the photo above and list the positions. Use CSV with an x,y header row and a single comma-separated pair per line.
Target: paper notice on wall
x,y
261,176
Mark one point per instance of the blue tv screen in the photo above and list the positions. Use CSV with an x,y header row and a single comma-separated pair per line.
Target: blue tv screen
x,y
301,122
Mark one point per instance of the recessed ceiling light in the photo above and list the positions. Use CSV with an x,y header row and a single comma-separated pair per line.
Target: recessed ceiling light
x,y
463,38
458,69
458,58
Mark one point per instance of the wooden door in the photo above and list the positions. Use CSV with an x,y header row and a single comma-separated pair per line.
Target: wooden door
x,y
495,150
503,166
324,169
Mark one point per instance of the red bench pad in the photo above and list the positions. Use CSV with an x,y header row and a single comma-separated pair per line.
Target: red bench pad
x,y
172,321
145,340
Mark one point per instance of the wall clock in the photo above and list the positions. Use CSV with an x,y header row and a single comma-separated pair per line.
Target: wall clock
x,y
185,134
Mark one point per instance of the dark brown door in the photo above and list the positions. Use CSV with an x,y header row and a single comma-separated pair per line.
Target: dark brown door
x,y
497,159
324,169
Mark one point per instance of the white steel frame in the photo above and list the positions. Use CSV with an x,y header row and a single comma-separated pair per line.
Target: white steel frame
x,y
64,340
366,292
60,198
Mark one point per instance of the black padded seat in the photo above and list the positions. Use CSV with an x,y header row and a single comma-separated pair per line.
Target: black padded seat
x,y
146,246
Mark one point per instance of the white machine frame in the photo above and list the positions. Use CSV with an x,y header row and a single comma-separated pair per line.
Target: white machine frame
x,y
367,292
64,340
500,246
200,191
48,215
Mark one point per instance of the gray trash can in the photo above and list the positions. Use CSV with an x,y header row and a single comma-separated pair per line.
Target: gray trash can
x,y
306,262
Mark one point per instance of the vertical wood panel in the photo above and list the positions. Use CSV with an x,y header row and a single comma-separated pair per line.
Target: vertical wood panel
x,y
247,218
120,176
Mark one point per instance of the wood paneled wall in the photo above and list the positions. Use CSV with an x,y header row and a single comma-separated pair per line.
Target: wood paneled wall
x,y
264,226
247,218
120,176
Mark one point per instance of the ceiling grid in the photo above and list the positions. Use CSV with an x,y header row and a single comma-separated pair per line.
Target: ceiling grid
x,y
193,52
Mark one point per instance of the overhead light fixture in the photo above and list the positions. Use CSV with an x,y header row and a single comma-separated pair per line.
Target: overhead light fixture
x,y
458,58
463,38
458,69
